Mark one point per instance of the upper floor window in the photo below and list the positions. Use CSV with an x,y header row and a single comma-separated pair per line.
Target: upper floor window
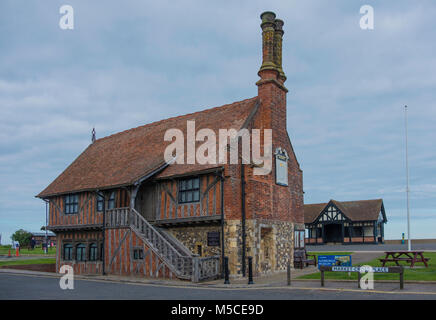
x,y
68,251
81,252
111,201
93,252
71,203
100,202
189,190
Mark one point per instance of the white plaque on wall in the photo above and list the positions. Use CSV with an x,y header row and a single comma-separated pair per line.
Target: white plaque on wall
x,y
281,167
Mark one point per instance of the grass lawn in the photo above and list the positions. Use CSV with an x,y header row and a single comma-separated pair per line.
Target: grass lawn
x,y
37,251
28,261
419,272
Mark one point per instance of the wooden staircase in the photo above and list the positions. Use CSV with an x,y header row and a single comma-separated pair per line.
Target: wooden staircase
x,y
176,256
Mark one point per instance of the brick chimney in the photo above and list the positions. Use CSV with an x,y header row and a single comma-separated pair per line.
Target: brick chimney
x,y
272,37
271,89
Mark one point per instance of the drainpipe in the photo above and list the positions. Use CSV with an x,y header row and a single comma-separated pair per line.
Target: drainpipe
x,y
222,222
104,231
243,216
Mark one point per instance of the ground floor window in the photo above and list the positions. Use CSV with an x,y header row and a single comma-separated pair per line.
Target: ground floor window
x,y
68,251
81,252
357,231
299,238
93,252
138,254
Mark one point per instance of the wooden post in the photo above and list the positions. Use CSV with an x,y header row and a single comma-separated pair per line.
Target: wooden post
x,y
359,276
289,274
195,269
322,277
402,278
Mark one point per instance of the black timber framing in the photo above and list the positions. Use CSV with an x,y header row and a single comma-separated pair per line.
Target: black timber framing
x,y
334,220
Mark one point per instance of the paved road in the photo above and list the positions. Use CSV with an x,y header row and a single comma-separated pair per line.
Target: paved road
x,y
14,286
371,247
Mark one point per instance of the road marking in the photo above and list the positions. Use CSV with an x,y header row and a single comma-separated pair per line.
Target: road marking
x,y
235,289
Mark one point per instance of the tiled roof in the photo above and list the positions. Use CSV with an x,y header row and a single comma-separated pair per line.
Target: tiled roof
x,y
123,158
312,211
360,210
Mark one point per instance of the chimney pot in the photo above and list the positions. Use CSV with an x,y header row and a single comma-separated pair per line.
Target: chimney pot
x,y
268,17
268,29
278,40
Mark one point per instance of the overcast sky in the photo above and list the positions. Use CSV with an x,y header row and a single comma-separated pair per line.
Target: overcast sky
x,y
129,63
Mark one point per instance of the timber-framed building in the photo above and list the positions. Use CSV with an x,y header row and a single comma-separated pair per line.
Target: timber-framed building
x,y
346,222
120,208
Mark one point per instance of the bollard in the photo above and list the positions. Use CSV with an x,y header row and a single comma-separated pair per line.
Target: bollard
x,y
226,270
250,270
289,274
322,277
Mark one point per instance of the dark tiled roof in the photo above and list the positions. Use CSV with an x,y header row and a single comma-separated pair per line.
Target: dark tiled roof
x,y
42,234
360,210
312,211
123,158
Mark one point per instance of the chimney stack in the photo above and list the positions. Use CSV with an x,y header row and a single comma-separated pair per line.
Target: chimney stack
x,y
268,31
272,37
278,38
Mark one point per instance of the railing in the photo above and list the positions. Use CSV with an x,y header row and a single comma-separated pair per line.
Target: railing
x,y
176,256
180,247
205,268
118,217
182,264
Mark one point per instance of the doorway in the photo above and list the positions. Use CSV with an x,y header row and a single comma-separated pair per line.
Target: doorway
x,y
333,232
267,249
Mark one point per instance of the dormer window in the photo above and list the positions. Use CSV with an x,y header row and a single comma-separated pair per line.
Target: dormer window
x,y
189,190
71,204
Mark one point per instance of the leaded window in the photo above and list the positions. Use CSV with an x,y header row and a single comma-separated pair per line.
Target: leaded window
x,y
189,190
138,254
81,252
71,203
68,251
93,252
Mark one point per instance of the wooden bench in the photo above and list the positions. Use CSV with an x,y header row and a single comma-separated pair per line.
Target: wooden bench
x,y
302,259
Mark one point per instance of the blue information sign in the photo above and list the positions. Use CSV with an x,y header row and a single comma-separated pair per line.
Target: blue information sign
x,y
334,260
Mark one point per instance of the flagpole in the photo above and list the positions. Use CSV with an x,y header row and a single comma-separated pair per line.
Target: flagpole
x,y
409,244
